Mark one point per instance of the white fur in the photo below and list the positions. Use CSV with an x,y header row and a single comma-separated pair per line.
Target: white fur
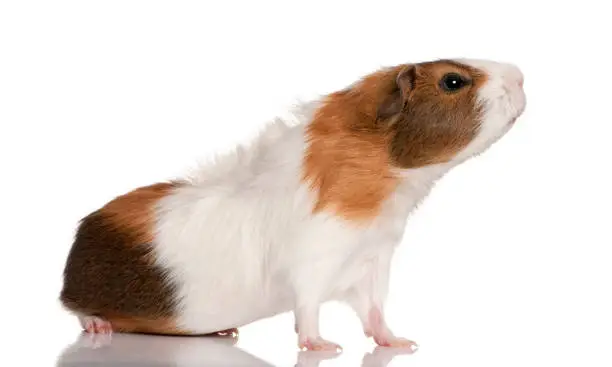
x,y
242,244
502,99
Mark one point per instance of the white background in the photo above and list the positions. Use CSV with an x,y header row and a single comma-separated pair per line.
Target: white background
x,y
507,263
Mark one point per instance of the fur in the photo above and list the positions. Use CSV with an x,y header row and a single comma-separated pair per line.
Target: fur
x,y
255,234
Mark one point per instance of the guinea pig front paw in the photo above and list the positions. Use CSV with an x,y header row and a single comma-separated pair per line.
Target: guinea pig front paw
x,y
319,344
396,342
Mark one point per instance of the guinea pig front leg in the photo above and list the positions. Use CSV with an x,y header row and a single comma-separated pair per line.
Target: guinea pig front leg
x,y
311,285
367,298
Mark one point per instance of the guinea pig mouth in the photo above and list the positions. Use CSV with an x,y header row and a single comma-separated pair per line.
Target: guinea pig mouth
x,y
516,116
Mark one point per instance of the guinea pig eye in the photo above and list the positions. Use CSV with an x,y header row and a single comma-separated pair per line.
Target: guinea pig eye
x,y
452,82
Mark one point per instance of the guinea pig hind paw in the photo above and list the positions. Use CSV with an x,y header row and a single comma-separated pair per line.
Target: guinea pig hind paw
x,y
96,325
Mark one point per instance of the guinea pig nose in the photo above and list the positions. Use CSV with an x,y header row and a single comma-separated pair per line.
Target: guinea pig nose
x,y
518,75
520,79
512,75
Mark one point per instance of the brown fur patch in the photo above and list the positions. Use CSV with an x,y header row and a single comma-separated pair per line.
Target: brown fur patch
x,y
347,162
134,211
109,271
398,117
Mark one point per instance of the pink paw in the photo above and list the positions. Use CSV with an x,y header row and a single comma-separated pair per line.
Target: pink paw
x,y
229,332
377,328
319,344
395,342
96,325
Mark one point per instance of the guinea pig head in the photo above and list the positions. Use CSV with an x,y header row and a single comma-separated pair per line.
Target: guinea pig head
x,y
405,117
449,110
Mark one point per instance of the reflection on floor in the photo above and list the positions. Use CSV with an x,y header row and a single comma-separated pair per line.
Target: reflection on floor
x,y
144,350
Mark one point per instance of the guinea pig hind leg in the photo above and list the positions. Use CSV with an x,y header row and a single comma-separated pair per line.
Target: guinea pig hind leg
x,y
95,324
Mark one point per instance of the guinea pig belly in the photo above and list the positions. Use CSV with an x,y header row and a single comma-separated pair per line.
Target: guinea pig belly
x,y
220,300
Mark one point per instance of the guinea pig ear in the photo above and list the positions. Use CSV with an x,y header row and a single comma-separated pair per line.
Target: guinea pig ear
x,y
394,103
406,78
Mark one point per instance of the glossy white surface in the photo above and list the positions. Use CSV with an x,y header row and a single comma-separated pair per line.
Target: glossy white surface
x,y
146,350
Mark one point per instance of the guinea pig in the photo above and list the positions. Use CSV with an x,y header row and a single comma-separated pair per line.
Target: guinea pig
x,y
305,213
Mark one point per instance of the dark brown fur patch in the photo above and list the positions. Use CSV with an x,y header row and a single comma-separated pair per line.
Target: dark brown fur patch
x,y
434,125
398,117
110,272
